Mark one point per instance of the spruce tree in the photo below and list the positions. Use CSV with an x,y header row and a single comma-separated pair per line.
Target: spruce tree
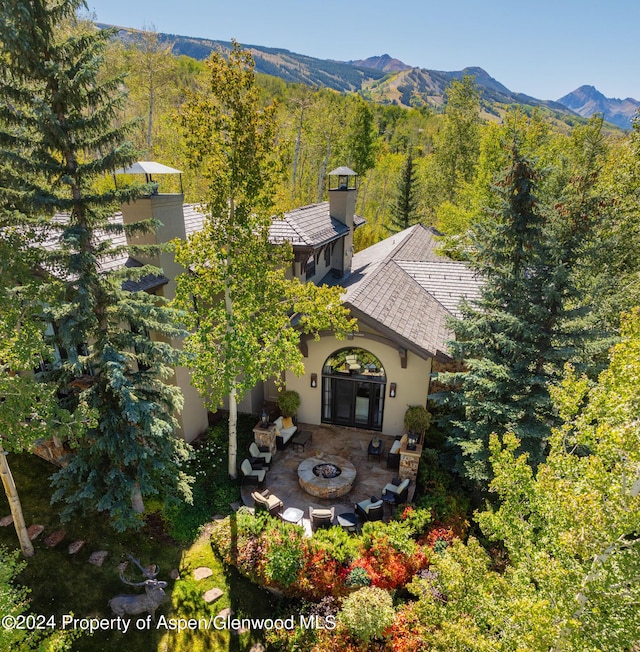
x,y
403,210
58,144
516,339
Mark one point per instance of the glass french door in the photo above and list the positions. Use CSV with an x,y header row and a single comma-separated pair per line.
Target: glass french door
x,y
353,402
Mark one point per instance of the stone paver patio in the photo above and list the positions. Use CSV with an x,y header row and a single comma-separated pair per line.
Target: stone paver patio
x,y
371,474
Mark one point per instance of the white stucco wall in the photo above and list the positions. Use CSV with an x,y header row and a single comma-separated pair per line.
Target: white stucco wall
x,y
412,383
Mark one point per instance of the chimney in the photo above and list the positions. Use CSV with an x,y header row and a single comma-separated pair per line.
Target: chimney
x,y
165,208
343,190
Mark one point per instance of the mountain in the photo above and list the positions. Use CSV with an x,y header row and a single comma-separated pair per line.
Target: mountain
x,y
383,63
587,100
380,78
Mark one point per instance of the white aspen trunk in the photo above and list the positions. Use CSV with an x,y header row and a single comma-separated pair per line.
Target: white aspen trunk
x,y
323,170
233,393
137,503
151,98
233,432
14,504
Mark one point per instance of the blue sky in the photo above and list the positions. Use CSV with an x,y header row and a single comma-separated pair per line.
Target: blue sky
x,y
543,48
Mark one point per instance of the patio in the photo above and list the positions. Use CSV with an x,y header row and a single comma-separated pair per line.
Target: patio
x,y
351,444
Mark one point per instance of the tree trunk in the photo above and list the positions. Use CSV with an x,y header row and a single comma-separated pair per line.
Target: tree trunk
x,y
233,432
137,503
14,504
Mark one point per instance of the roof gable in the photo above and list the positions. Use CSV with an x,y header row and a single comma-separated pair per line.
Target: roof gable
x,y
309,226
404,288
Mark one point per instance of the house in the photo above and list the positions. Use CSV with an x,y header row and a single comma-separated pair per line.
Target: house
x,y
401,291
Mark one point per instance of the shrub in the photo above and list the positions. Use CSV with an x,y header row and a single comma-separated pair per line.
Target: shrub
x,y
322,576
417,419
337,543
288,402
367,613
285,557
358,576
213,490
407,634
416,519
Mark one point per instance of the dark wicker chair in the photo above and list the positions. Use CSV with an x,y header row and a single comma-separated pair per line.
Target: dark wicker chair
x,y
370,510
266,501
393,456
321,517
396,493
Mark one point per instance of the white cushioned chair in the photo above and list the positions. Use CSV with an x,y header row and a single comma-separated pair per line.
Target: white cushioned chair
x,y
265,500
258,455
249,474
399,492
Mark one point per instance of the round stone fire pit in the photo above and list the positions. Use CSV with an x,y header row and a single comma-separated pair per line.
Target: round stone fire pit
x,y
327,470
326,476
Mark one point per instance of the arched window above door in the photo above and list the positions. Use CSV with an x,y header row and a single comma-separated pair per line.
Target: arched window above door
x,y
354,362
353,389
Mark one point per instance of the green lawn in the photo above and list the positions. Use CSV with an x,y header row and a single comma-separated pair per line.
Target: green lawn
x,y
62,584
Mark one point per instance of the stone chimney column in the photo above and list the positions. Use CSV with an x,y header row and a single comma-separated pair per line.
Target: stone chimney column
x,y
342,207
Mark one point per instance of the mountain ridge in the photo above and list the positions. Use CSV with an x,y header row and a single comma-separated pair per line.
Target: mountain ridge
x,y
387,80
587,100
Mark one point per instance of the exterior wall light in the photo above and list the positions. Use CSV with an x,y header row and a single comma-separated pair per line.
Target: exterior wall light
x,y
314,380
392,390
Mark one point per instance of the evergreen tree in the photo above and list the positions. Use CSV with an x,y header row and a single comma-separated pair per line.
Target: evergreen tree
x,y
403,212
58,142
525,326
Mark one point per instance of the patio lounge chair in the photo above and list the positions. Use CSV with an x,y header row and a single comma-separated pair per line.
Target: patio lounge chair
x,y
265,500
397,492
249,474
321,517
258,455
393,457
370,510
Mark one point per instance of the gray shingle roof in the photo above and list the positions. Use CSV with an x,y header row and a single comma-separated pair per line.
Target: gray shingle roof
x,y
403,288
309,226
122,259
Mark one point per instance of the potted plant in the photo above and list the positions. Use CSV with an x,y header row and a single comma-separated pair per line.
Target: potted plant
x,y
416,421
288,402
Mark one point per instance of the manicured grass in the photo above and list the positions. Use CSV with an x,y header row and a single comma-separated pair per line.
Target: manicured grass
x,y
62,584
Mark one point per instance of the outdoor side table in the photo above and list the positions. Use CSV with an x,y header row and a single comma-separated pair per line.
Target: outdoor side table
x,y
348,521
376,451
389,499
301,439
292,515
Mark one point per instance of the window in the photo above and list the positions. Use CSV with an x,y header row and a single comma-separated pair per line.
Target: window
x,y
310,267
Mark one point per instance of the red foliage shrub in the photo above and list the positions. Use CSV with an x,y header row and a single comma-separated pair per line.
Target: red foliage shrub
x,y
407,632
389,568
321,576
438,533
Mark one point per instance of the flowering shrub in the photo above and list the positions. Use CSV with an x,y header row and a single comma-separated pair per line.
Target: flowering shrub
x,y
367,613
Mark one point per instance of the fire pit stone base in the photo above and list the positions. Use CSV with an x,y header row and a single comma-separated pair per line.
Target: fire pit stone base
x,y
326,487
